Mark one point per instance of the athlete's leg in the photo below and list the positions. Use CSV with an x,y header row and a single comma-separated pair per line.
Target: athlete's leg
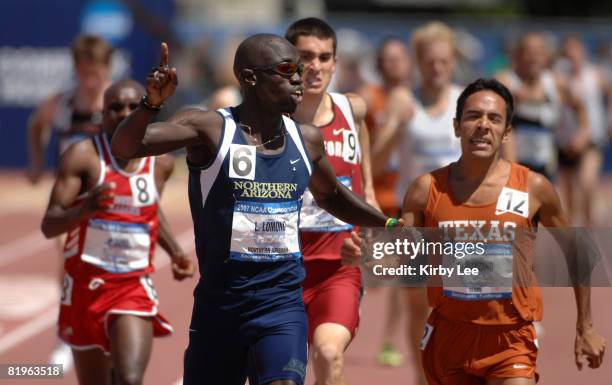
x,y
330,340
278,355
61,354
512,381
388,354
418,311
131,339
333,318
566,181
588,174
92,367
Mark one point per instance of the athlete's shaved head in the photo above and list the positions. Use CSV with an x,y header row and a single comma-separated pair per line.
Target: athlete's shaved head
x,y
261,50
115,88
120,99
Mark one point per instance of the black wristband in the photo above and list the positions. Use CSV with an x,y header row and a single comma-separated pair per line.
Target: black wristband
x,y
144,102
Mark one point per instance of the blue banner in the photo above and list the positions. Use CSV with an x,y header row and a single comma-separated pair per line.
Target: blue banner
x,y
35,60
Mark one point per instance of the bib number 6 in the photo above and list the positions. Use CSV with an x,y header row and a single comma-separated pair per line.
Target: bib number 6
x,y
242,162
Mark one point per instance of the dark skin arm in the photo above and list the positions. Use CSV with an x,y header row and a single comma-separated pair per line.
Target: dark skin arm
x,y
78,171
136,137
330,194
589,345
182,265
413,215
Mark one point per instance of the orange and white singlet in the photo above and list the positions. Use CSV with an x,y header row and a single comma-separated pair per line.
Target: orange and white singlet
x,y
502,226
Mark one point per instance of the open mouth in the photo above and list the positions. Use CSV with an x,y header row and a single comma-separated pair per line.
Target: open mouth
x,y
478,141
312,82
297,95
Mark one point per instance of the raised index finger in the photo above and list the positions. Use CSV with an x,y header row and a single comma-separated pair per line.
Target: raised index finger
x,y
163,55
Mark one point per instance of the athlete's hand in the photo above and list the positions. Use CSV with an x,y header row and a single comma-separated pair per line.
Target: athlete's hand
x,y
589,347
99,199
350,252
182,267
162,80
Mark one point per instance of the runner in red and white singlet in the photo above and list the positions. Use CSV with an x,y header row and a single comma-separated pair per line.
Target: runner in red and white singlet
x,y
110,210
331,291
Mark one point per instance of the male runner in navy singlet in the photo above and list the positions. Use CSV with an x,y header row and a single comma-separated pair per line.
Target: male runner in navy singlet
x,y
249,166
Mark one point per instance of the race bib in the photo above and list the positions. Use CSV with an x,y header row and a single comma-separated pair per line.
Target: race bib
x,y
426,336
143,190
242,161
265,232
66,295
349,147
494,278
513,201
534,146
117,247
314,218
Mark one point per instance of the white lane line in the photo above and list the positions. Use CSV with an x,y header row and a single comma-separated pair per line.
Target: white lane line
x,y
47,319
28,245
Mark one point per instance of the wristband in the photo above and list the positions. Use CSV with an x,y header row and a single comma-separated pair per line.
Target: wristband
x,y
390,223
144,102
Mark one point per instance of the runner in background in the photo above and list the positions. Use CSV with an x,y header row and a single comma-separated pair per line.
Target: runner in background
x,y
579,171
388,104
426,141
75,114
331,292
110,210
540,95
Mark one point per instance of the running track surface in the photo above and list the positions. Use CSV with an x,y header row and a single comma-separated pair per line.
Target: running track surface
x,y
29,270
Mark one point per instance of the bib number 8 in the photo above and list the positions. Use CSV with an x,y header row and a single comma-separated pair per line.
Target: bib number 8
x,y
143,190
141,186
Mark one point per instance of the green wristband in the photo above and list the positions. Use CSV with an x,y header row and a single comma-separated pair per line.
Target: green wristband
x,y
390,223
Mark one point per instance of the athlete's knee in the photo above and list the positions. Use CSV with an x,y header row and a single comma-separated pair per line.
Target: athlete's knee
x,y
328,354
128,376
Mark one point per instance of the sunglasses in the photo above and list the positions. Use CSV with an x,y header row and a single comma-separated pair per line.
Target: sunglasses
x,y
285,69
118,107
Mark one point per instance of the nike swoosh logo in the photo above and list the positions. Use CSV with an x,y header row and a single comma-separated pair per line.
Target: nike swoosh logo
x,y
294,161
337,132
500,212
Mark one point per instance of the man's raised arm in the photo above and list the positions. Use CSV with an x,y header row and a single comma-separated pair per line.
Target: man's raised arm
x,y
135,137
